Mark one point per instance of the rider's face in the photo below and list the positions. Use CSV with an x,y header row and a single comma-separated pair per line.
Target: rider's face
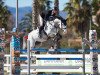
x,y
54,12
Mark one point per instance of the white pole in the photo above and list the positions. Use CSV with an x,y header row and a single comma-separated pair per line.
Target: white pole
x,y
83,54
16,14
91,15
83,57
10,58
12,38
28,50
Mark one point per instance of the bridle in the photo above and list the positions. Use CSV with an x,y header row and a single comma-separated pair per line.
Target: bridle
x,y
57,26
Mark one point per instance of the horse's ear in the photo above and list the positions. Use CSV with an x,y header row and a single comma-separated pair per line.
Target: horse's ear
x,y
66,19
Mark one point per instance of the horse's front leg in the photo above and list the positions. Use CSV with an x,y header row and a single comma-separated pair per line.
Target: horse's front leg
x,y
24,43
31,42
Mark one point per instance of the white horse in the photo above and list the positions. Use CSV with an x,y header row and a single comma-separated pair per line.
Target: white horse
x,y
51,28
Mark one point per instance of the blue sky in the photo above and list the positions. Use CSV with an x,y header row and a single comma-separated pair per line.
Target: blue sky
x,y
23,3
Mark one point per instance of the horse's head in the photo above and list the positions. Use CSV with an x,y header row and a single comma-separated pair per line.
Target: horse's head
x,y
60,23
54,25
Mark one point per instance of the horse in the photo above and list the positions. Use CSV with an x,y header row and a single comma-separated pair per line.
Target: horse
x,y
51,29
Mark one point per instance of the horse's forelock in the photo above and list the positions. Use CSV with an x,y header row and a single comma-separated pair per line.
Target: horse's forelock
x,y
57,20
62,20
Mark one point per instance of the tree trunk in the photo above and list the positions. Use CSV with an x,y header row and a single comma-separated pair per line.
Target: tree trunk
x,y
98,17
35,14
56,4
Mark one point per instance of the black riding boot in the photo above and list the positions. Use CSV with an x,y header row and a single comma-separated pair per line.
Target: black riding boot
x,y
40,35
41,28
40,31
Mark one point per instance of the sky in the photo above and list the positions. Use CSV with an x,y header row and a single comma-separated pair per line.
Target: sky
x,y
24,3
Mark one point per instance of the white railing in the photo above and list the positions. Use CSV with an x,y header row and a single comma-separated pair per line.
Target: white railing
x,y
72,66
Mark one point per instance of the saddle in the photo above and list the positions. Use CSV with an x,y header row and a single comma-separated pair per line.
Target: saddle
x,y
51,18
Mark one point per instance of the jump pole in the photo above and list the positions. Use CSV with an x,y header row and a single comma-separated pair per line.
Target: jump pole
x,y
28,50
93,55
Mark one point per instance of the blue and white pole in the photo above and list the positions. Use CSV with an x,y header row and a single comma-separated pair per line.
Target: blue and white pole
x,y
15,48
15,54
93,53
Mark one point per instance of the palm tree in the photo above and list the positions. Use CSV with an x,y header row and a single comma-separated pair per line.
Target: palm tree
x,y
44,5
26,22
85,18
69,8
38,7
48,5
98,17
56,4
35,14
80,15
70,11
4,15
95,5
10,22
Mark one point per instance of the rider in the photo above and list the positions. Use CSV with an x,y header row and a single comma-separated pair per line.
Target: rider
x,y
46,17
54,13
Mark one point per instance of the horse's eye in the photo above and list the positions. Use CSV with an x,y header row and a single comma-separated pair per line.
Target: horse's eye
x,y
59,24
